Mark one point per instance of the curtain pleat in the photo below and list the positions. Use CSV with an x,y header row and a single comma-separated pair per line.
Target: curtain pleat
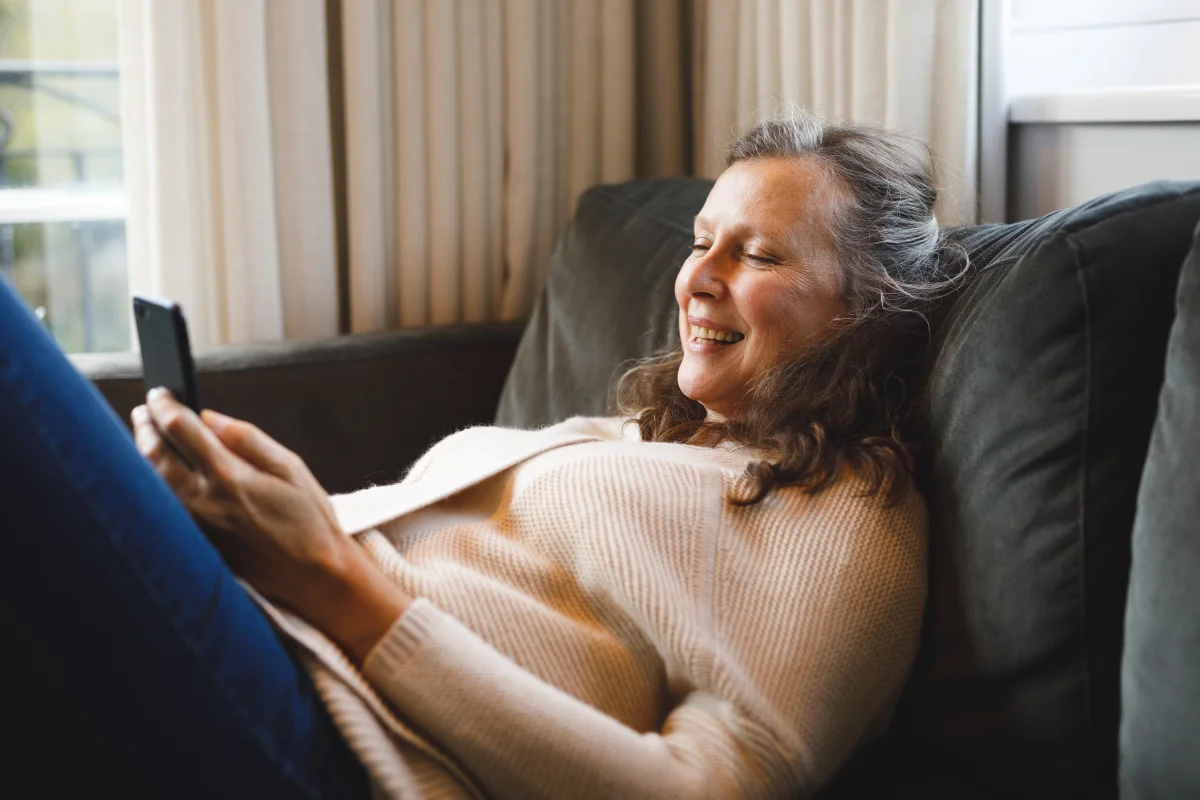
x,y
161,79
583,163
618,91
663,109
245,223
367,74
493,18
404,56
218,103
303,169
716,89
904,64
474,174
550,209
472,126
745,62
521,147
445,157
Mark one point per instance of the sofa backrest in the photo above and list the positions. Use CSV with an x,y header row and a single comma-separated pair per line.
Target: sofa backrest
x,y
1160,678
608,299
1043,378
359,409
1043,385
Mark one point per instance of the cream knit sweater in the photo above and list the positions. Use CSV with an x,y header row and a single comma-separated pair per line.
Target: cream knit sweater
x,y
596,620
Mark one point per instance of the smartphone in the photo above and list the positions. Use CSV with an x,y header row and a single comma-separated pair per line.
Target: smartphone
x,y
166,351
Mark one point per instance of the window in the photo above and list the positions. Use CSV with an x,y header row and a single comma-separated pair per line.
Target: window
x,y
62,200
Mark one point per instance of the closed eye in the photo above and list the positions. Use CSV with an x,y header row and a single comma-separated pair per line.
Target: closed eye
x,y
765,260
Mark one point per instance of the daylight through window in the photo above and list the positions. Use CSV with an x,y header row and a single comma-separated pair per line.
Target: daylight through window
x,y
62,200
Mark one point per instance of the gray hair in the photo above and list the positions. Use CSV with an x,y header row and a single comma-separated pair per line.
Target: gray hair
x,y
888,241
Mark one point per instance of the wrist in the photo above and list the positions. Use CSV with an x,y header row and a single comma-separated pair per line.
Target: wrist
x,y
357,604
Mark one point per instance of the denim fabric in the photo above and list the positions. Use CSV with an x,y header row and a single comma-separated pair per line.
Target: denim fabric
x,y
135,663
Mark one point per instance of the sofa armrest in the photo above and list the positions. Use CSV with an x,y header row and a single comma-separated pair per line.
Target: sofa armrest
x,y
358,409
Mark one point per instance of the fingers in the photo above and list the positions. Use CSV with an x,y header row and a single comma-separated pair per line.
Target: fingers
x,y
180,425
173,470
248,442
218,444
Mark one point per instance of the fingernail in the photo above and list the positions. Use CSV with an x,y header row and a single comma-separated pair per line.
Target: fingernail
x,y
157,392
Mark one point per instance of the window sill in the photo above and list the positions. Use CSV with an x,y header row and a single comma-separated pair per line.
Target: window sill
x,y
1152,104
20,206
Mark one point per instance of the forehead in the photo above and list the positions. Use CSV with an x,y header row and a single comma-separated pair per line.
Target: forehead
x,y
784,198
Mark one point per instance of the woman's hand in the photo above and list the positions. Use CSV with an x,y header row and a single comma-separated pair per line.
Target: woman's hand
x,y
262,508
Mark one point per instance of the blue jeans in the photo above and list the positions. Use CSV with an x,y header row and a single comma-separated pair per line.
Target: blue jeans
x,y
136,665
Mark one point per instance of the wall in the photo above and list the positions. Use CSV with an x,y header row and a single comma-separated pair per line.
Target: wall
x,y
1072,45
1101,95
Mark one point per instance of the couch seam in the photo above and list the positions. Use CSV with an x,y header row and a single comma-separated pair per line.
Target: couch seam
x,y
1073,240
1084,452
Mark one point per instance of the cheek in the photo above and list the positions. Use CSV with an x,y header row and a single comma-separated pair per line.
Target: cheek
x,y
770,307
787,314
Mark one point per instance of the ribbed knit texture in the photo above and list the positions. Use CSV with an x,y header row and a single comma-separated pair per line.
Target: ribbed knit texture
x,y
599,621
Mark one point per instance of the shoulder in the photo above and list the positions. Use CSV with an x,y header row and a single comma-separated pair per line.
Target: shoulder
x,y
853,497
861,525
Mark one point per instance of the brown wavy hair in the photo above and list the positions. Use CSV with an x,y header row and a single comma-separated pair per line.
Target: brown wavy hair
x,y
843,403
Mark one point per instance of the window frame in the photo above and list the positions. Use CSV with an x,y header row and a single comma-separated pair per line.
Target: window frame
x,y
74,205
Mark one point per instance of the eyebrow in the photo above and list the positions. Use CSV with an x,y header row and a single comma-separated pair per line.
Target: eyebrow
x,y
784,241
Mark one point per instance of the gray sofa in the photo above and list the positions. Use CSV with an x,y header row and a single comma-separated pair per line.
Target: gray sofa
x,y
1059,434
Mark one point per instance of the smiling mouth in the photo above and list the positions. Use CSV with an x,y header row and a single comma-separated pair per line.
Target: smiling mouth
x,y
708,335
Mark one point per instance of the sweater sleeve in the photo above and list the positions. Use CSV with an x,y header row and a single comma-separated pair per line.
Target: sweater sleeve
x,y
521,737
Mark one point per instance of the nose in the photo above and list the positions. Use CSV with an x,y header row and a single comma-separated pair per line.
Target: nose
x,y
703,276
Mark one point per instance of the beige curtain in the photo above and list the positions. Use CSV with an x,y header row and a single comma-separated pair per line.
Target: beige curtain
x,y
471,128
906,64
228,164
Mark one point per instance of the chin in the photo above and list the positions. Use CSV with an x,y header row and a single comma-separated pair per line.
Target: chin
x,y
685,380
693,387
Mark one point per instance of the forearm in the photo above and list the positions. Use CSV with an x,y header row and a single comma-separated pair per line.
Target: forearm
x,y
522,737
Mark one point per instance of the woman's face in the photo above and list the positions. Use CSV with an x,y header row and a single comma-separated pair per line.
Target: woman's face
x,y
762,281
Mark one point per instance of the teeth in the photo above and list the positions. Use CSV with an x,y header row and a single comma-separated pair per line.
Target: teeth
x,y
699,332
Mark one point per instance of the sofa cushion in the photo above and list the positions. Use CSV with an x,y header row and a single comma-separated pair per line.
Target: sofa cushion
x,y
1043,381
1160,674
1043,375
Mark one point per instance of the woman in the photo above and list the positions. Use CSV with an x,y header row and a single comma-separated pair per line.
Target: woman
x,y
718,593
